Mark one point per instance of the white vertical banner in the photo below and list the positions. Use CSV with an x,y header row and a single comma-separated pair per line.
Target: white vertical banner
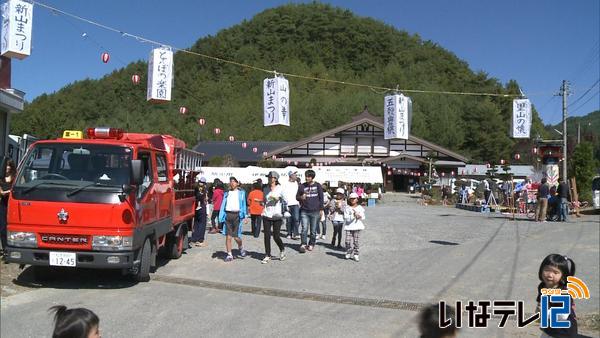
x,y
276,102
160,75
397,116
17,20
521,120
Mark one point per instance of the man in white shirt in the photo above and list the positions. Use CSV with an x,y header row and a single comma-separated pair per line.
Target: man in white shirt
x,y
290,189
233,211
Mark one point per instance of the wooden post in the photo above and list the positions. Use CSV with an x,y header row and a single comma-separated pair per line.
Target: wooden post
x,y
575,196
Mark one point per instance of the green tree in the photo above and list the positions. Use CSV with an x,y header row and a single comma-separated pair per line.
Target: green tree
x,y
583,167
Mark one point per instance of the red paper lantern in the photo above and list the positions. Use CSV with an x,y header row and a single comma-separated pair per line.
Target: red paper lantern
x,y
244,145
264,153
273,157
389,172
201,121
231,138
105,57
135,79
517,156
502,161
295,162
254,150
217,131
182,110
488,165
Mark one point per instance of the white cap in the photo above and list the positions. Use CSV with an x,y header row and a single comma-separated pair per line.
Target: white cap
x,y
353,195
340,191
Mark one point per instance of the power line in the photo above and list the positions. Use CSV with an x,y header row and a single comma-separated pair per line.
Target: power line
x,y
586,101
584,94
305,77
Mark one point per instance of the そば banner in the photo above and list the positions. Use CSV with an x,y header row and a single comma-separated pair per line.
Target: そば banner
x,y
276,98
397,116
160,75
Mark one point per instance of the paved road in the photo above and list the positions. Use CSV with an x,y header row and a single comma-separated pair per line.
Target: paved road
x,y
410,255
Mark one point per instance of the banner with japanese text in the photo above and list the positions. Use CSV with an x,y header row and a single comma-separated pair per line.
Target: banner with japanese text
x,y
276,94
521,121
160,75
397,116
17,20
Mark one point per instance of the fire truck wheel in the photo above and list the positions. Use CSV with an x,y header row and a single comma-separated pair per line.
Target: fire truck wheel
x,y
177,244
143,272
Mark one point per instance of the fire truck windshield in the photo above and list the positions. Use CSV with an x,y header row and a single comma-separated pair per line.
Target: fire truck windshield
x,y
74,165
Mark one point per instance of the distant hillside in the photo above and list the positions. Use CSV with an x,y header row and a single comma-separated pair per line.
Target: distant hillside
x,y
589,130
309,39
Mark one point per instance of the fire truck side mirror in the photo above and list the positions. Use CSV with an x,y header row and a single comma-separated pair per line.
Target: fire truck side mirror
x,y
137,172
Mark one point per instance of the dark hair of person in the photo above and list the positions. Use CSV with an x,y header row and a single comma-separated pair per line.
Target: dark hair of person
x,y
73,323
563,263
310,173
429,322
544,180
13,168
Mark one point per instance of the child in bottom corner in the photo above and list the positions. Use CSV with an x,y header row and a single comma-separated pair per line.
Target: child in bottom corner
x,y
354,214
553,274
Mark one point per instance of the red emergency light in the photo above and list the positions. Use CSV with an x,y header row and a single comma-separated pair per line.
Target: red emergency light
x,y
96,133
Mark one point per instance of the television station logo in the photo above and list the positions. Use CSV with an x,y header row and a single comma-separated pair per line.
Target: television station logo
x,y
554,310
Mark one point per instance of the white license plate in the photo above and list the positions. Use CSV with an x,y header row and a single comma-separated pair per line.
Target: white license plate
x,y
63,258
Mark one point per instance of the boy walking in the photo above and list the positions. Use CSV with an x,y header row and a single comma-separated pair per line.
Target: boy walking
x,y
233,212
310,196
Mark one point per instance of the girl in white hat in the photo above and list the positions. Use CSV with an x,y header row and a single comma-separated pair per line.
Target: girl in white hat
x,y
336,215
354,214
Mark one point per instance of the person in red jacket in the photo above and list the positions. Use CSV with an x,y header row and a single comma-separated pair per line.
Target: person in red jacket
x,y
217,200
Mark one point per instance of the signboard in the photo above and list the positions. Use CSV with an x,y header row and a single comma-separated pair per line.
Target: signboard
x,y
160,75
17,20
521,121
322,174
276,99
397,116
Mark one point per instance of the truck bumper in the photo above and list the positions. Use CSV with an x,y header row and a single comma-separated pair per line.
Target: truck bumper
x,y
85,259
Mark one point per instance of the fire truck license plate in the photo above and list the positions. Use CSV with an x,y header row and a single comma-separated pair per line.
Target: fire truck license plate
x,y
63,258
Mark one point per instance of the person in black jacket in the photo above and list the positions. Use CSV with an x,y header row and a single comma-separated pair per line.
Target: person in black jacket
x,y
200,217
565,196
310,196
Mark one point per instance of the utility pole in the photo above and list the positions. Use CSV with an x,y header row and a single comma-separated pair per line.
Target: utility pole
x,y
564,91
578,133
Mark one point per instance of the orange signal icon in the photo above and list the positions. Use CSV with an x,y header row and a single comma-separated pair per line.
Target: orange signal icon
x,y
577,289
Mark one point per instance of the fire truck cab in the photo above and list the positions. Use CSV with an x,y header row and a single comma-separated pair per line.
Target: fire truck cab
x,y
108,201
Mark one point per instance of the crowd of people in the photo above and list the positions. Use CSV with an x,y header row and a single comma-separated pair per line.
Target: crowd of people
x,y
305,208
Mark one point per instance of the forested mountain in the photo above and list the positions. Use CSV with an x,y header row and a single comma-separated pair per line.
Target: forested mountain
x,y
589,130
308,39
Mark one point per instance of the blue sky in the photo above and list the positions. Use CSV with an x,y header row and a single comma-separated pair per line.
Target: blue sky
x,y
538,43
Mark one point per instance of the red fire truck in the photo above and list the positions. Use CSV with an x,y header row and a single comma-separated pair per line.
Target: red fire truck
x,y
108,201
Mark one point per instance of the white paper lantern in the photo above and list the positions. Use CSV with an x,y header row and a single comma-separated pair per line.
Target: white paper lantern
x,y
217,131
244,145
231,138
105,57
182,110
201,121
254,150
135,79
276,102
17,22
